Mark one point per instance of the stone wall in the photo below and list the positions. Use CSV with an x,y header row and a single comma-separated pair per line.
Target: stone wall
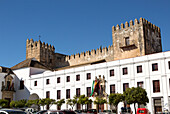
x,y
133,39
91,56
144,38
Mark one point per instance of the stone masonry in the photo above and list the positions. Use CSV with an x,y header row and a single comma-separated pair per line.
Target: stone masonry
x,y
133,39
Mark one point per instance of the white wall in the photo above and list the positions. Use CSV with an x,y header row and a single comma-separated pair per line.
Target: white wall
x,y
147,76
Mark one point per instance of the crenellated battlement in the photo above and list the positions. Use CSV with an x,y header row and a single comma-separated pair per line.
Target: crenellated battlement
x,y
126,24
136,22
35,44
41,51
91,54
130,39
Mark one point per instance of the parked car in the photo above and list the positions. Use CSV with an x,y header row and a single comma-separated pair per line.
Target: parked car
x,y
41,112
107,112
31,111
59,112
11,111
126,110
142,111
78,111
92,111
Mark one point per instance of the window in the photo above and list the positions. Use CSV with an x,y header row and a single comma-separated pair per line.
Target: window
x,y
78,92
50,61
112,72
169,64
21,84
125,86
112,88
47,81
35,83
157,105
58,80
125,71
139,69
156,86
47,94
78,77
140,84
127,41
68,79
88,76
67,93
58,94
155,67
59,58
169,83
88,91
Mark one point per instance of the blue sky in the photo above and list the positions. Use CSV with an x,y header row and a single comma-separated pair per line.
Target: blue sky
x,y
72,26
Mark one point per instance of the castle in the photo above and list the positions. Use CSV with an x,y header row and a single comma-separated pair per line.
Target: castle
x,y
133,39
135,59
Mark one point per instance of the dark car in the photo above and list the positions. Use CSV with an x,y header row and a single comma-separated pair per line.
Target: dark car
x,y
78,111
93,111
59,112
126,110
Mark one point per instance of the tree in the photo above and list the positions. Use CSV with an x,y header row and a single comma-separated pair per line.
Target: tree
x,y
36,102
49,101
4,103
72,102
42,103
12,104
99,101
21,103
33,102
29,103
87,101
60,102
136,95
18,104
83,100
115,99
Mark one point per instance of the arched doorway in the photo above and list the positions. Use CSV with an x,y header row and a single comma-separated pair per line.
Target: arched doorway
x,y
34,96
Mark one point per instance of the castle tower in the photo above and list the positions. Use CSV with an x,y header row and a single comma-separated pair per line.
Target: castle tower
x,y
136,38
42,52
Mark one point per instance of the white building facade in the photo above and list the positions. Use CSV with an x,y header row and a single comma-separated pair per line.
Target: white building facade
x,y
152,72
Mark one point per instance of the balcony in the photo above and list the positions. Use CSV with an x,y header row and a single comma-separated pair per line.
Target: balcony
x,y
8,88
131,44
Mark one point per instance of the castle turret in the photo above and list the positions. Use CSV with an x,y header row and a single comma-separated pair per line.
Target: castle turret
x,y
42,52
136,39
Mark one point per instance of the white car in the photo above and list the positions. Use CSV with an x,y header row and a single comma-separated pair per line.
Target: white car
x,y
11,111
